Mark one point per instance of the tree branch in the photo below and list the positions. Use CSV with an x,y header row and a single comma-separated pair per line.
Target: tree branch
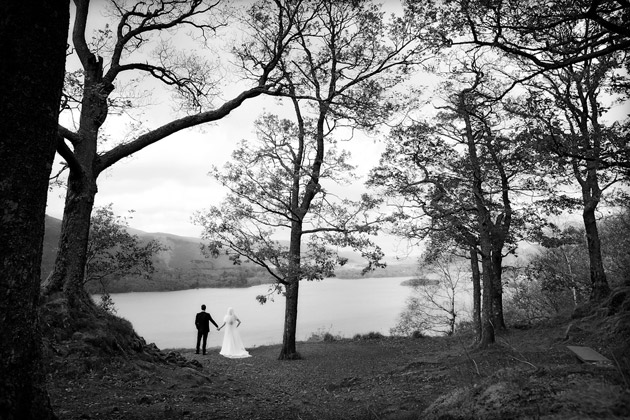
x,y
127,149
68,155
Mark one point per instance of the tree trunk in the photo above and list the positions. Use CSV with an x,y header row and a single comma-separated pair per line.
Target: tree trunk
x,y
476,280
69,271
483,223
591,195
487,324
497,289
34,35
289,351
599,283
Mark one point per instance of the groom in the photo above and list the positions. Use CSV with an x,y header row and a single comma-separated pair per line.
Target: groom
x,y
202,322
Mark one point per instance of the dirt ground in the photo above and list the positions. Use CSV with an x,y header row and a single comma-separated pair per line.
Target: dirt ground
x,y
528,374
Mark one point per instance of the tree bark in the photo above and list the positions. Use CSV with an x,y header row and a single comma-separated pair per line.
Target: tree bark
x,y
69,270
476,281
487,313
289,350
34,35
484,226
591,196
599,283
497,287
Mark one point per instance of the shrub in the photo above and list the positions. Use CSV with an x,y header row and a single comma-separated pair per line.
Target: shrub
x,y
417,334
528,301
323,335
106,303
369,336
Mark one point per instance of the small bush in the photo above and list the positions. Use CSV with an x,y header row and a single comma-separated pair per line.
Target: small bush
x,y
323,335
417,334
107,304
369,336
465,328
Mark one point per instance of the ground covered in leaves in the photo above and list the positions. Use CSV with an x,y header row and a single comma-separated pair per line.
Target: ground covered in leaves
x,y
529,373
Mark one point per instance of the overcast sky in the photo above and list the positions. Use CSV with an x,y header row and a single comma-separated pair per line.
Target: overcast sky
x,y
168,181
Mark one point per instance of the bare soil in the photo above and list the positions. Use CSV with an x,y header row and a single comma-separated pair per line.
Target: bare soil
x,y
528,374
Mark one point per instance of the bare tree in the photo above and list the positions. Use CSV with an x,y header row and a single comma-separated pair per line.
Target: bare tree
x,y
34,35
435,306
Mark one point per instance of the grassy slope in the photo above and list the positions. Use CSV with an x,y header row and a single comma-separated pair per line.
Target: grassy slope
x,y
528,374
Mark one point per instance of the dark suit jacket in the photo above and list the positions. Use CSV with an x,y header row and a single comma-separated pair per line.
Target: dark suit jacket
x,y
203,320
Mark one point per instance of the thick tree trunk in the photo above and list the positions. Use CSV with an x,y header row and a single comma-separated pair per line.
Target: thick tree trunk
x,y
599,283
476,280
34,35
69,271
289,350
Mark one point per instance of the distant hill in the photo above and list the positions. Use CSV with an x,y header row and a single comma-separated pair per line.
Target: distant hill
x,y
183,266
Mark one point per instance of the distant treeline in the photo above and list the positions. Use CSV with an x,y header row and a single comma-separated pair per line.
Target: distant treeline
x,y
200,276
420,282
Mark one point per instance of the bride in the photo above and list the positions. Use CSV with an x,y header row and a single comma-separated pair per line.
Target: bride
x,y
232,343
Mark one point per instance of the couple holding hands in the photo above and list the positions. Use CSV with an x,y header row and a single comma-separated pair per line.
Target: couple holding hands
x,y
232,344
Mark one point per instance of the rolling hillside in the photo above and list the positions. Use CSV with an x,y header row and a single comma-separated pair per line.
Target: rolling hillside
x,y
183,266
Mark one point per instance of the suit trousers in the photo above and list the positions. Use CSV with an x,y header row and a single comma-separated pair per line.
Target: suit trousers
x,y
202,335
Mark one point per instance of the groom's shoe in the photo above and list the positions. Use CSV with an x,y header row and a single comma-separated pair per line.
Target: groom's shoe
x,y
197,352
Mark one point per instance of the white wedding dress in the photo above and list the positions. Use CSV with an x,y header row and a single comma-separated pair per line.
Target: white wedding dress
x,y
232,344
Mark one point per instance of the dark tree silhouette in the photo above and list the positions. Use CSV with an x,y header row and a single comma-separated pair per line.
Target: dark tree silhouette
x,y
550,35
34,35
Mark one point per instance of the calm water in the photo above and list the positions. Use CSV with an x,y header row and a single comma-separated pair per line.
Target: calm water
x,y
339,306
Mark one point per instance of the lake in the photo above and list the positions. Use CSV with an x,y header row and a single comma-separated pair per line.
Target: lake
x,y
340,306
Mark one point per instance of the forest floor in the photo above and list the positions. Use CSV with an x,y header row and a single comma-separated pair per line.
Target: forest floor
x,y
528,374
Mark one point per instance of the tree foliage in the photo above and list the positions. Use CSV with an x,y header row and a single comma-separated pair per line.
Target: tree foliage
x,y
459,175
549,35
566,107
615,231
263,179
276,188
435,307
114,252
